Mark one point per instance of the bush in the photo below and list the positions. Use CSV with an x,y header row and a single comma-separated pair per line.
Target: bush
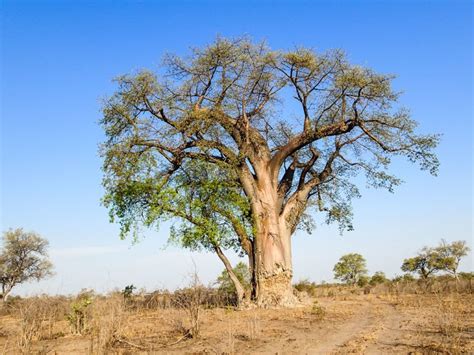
x,y
363,281
191,299
466,275
306,286
107,320
227,288
404,278
78,313
317,310
378,278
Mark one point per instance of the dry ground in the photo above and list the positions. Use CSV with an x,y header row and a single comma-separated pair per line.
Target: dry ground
x,y
371,324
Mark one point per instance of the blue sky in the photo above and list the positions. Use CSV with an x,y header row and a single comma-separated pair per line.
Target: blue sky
x,y
58,59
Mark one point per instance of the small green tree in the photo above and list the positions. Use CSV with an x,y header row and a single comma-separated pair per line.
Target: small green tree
x,y
426,263
350,268
127,292
378,278
79,311
403,278
23,257
451,255
228,286
363,281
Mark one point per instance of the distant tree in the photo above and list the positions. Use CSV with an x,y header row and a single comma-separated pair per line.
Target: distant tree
x,y
445,257
426,263
363,281
403,278
23,257
378,278
466,275
227,280
350,268
451,255
127,292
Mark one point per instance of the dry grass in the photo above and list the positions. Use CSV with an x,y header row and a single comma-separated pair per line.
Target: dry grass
x,y
391,318
107,323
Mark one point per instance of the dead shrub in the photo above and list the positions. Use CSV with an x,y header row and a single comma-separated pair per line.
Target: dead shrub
x,y
191,299
37,318
161,299
448,316
31,314
106,322
254,327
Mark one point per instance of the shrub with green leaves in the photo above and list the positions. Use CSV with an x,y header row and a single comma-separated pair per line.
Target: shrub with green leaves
x,y
378,278
306,286
227,287
77,315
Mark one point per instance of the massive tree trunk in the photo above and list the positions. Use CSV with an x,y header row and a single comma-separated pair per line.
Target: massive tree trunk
x,y
272,266
274,269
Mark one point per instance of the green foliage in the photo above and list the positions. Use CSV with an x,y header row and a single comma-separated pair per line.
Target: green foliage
x,y
317,310
77,315
466,275
211,205
225,284
404,278
127,292
378,278
350,268
363,281
424,264
451,254
445,257
306,286
195,145
23,257
204,201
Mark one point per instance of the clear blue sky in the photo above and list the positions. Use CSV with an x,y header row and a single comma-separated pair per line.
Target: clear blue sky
x,y
58,59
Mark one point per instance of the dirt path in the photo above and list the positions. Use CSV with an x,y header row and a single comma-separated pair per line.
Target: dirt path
x,y
365,321
390,337
373,328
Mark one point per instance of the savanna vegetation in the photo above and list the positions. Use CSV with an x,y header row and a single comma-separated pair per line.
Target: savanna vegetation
x,y
210,142
387,316
364,313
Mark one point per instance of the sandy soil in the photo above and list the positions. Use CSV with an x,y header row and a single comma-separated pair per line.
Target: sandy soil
x,y
365,324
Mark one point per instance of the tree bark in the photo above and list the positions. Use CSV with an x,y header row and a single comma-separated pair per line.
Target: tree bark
x,y
5,294
272,248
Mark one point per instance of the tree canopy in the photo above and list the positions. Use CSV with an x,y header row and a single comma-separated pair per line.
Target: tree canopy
x,y
238,144
350,268
430,260
23,257
194,113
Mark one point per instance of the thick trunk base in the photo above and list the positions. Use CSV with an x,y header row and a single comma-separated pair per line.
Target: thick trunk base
x,y
276,291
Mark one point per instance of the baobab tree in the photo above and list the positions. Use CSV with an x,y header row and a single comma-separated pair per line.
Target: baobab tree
x,y
267,136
